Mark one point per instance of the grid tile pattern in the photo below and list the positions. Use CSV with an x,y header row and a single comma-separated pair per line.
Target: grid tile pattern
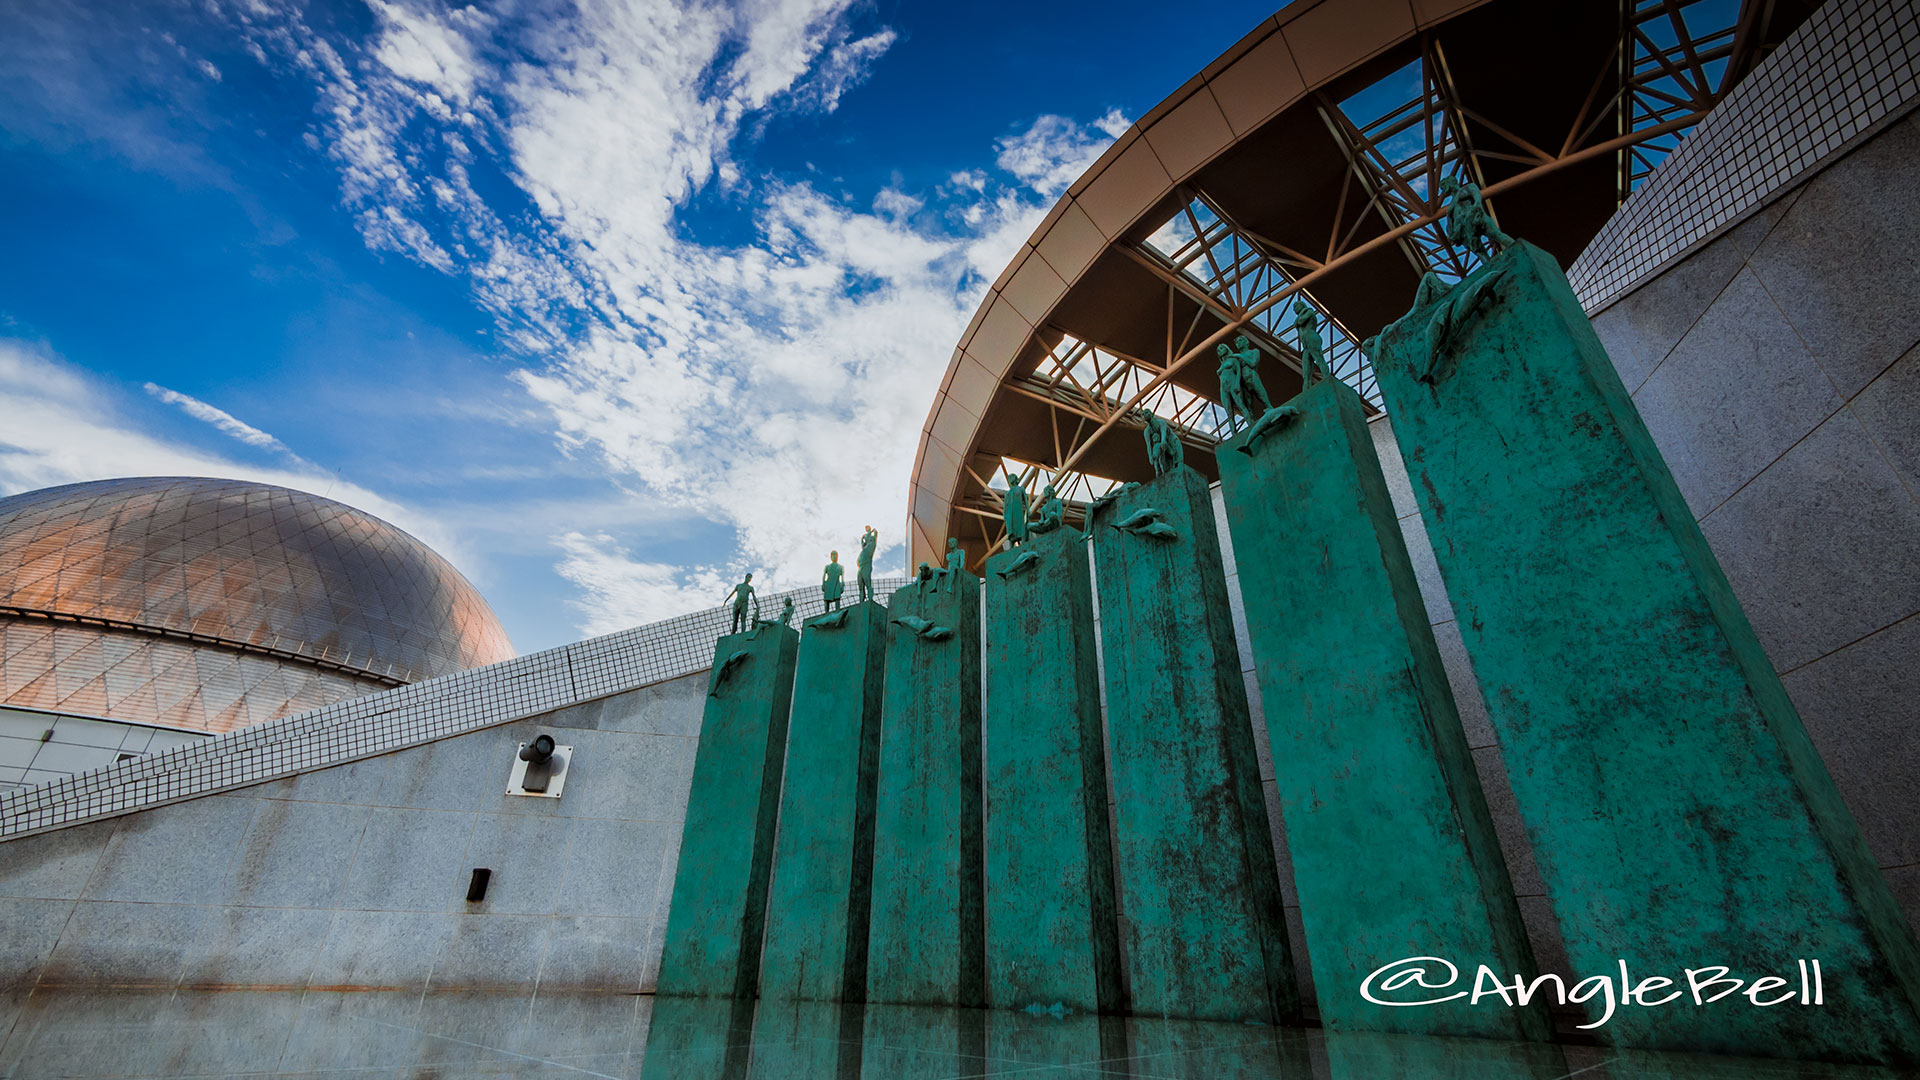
x,y
380,723
213,604
1851,65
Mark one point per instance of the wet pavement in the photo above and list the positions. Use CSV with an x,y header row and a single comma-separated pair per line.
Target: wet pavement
x,y
377,1035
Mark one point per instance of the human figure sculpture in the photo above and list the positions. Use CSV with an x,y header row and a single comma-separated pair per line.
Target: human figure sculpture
x,y
1241,392
1013,511
864,563
1163,445
831,583
1313,350
956,564
786,612
923,577
1468,223
1052,511
742,595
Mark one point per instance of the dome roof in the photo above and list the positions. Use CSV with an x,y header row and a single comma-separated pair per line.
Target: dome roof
x,y
247,566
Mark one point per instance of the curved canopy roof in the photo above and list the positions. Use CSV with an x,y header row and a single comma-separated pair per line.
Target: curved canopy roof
x,y
1304,163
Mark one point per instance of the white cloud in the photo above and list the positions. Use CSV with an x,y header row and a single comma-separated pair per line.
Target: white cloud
x,y
1054,152
225,421
64,428
614,585
421,48
776,386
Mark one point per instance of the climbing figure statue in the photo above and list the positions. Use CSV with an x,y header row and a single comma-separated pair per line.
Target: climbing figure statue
x,y
742,595
786,612
1313,350
864,563
831,581
1163,444
1469,225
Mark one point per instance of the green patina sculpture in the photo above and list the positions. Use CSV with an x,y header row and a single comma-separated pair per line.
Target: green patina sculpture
x,y
831,581
1146,522
923,577
1013,510
742,595
1469,225
924,628
1052,511
1023,561
1313,350
1164,452
1240,386
724,669
956,564
864,563
833,621
786,612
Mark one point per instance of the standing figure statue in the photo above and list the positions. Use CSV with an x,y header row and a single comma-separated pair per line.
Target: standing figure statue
x,y
1164,452
1468,223
742,595
1013,511
864,563
1240,387
786,611
1052,512
1313,350
956,564
831,583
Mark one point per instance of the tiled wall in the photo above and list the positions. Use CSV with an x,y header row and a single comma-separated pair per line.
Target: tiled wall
x,y
38,746
356,875
1849,67
379,723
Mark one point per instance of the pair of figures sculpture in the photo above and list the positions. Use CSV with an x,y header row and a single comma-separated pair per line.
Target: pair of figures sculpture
x,y
742,596
832,578
929,576
1013,512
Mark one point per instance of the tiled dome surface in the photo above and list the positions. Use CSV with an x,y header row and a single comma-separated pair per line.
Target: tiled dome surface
x,y
240,562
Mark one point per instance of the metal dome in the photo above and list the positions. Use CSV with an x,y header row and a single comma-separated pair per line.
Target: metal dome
x,y
212,604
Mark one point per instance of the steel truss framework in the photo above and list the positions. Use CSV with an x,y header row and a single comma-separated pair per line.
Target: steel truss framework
x,y
1672,63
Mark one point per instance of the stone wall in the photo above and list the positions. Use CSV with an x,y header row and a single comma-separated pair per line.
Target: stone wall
x,y
356,875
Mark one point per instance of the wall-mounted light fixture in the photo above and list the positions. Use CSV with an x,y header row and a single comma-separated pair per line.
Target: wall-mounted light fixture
x,y
540,769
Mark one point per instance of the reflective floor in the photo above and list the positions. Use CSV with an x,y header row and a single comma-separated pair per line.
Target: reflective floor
x,y
443,1036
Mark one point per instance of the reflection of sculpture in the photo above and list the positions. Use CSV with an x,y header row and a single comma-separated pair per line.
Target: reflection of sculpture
x,y
924,628
1146,522
1468,223
1313,350
1240,386
725,669
956,564
1020,562
831,585
1163,445
1013,511
1052,511
868,541
786,612
742,595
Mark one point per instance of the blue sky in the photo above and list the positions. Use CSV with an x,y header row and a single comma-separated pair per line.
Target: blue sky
x,y
605,302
